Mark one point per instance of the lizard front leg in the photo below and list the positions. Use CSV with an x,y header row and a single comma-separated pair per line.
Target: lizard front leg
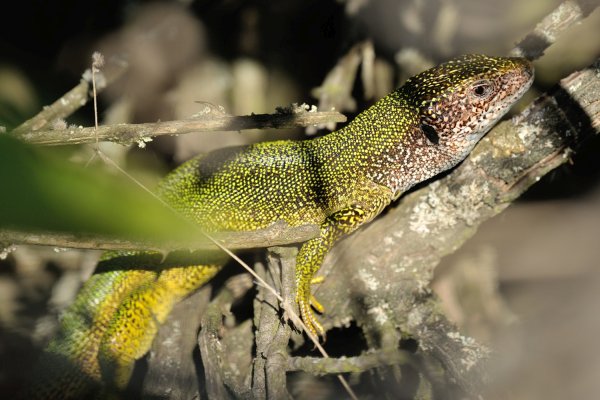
x,y
312,253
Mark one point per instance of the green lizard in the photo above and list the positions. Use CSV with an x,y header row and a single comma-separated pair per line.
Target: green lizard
x,y
339,182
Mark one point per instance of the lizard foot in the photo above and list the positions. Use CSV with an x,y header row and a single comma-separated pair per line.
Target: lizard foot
x,y
308,316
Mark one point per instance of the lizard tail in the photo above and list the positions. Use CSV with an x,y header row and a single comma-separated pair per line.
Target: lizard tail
x,y
113,321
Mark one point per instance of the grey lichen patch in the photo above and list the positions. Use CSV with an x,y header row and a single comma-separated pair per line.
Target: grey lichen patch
x,y
507,145
87,75
58,123
415,319
422,285
501,144
371,282
473,352
528,133
101,81
442,208
5,251
380,314
296,108
389,241
39,124
342,321
141,142
237,359
398,268
209,110
171,341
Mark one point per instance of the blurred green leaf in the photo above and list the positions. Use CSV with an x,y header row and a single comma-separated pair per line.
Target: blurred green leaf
x,y
41,191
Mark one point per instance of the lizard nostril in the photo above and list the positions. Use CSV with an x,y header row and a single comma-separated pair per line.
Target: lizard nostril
x,y
524,65
527,68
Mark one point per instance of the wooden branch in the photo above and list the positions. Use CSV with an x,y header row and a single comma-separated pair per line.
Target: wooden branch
x,y
364,362
567,14
124,134
275,235
172,373
272,336
212,350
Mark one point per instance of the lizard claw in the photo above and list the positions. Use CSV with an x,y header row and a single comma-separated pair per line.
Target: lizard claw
x,y
308,316
316,305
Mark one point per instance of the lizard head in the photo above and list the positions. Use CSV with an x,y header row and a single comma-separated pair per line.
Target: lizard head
x,y
460,100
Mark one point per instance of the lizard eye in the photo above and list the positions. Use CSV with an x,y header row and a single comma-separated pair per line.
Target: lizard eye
x,y
481,89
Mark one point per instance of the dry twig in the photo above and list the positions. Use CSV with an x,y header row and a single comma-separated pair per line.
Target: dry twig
x,y
210,122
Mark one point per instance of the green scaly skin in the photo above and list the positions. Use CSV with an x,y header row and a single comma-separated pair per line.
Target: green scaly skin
x,y
339,181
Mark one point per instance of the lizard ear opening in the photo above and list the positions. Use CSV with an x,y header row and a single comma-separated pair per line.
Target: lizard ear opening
x,y
430,133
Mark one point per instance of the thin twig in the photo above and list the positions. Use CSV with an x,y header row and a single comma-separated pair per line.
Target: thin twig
x,y
132,133
70,101
97,63
364,362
